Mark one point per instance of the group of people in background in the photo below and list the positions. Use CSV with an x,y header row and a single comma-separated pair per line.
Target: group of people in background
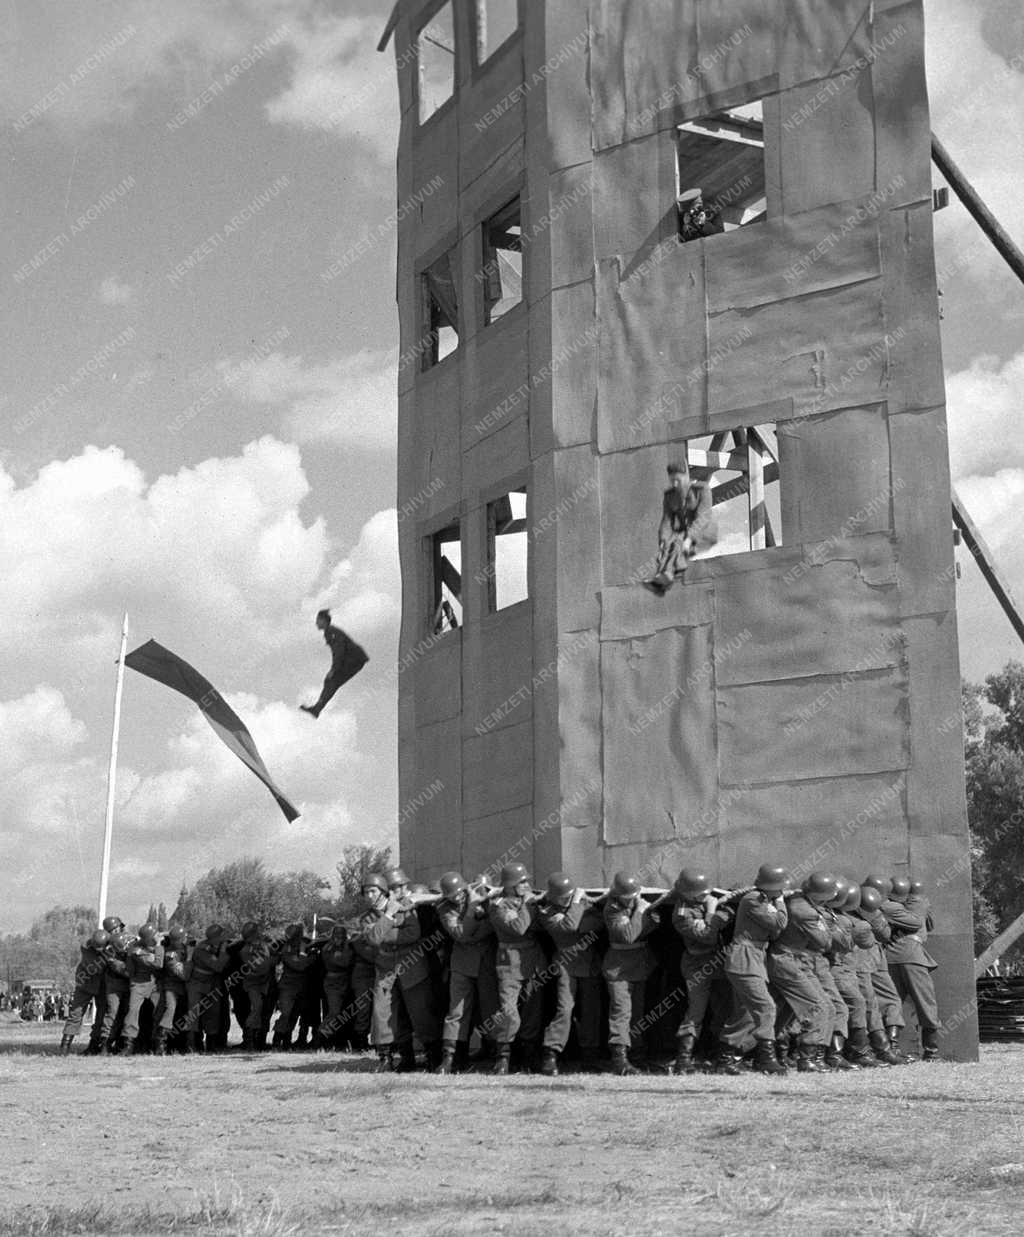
x,y
696,977
36,1006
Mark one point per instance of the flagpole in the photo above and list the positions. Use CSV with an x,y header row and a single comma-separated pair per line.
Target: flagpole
x,y
111,776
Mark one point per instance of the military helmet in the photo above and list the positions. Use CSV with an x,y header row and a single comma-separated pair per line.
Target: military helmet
x,y
294,932
215,933
452,884
176,936
112,924
120,941
900,888
395,876
624,885
838,899
853,898
690,883
99,938
513,874
917,887
819,888
560,886
771,879
882,883
148,934
373,880
339,932
250,930
870,898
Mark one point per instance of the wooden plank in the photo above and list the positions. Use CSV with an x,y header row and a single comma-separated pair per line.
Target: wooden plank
x,y
736,486
755,497
983,556
999,946
735,461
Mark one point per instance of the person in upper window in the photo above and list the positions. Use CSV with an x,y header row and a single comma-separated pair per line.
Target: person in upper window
x,y
695,218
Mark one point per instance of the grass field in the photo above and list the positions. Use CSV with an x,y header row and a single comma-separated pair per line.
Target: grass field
x,y
304,1144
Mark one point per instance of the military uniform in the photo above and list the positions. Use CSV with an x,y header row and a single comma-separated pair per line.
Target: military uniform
x,y
759,921
256,974
294,960
575,930
628,963
910,964
337,958
364,975
518,963
145,963
472,983
116,987
792,971
402,995
703,963
208,964
173,992
88,985
890,1006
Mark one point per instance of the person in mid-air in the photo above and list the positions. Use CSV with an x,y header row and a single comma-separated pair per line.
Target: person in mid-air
x,y
347,659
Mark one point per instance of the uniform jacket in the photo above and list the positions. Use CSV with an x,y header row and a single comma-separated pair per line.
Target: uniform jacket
x,y
145,964
907,926
338,961
116,976
467,924
758,921
294,964
394,931
628,956
257,964
172,976
807,930
90,969
517,927
699,930
575,930
208,963
689,512
840,951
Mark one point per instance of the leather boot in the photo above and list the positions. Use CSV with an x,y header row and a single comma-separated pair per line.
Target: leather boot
x,y
929,1044
893,1034
434,1052
811,1058
859,1051
447,1063
765,1059
727,1061
103,1047
282,1041
160,1044
129,1048
834,1058
383,1063
406,1059
549,1063
501,1061
621,1064
461,1056
65,1045
684,1055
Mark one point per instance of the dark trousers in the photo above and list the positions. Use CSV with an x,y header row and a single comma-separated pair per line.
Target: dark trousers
x,y
580,994
792,977
471,999
399,1012
914,983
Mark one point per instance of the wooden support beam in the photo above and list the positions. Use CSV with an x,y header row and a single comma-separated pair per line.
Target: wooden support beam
x,y
983,556
999,946
715,461
755,496
737,486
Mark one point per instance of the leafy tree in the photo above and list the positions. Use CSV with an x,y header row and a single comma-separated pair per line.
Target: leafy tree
x,y
245,890
49,950
355,863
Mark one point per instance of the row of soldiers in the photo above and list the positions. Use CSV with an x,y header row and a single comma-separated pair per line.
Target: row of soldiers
x,y
815,977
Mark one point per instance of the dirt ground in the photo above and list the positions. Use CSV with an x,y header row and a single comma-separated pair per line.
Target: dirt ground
x,y
276,1144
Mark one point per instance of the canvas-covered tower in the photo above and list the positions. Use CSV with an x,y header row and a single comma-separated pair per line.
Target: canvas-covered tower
x,y
797,699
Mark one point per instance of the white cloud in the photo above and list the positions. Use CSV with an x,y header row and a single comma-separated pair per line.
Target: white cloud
x,y
351,401
364,593
219,548
113,292
982,402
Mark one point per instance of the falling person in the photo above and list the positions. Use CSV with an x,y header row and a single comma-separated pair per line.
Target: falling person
x,y
347,659
687,525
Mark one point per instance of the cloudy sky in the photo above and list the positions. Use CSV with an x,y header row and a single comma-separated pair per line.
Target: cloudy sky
x,y
196,425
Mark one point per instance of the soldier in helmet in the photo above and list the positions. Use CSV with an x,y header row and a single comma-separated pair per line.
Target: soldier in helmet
x,y
761,917
871,1045
116,986
110,925
574,924
210,960
699,917
890,1007
697,219
294,960
88,981
257,961
145,963
628,963
513,915
910,964
337,958
172,987
403,997
687,525
374,891
472,983
835,973
792,967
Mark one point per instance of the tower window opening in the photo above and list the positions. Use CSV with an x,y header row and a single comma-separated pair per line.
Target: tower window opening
x,y
446,579
502,271
742,468
435,62
440,309
507,550
496,21
720,179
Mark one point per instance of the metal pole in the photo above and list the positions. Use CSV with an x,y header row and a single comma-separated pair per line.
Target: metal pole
x,y
111,776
